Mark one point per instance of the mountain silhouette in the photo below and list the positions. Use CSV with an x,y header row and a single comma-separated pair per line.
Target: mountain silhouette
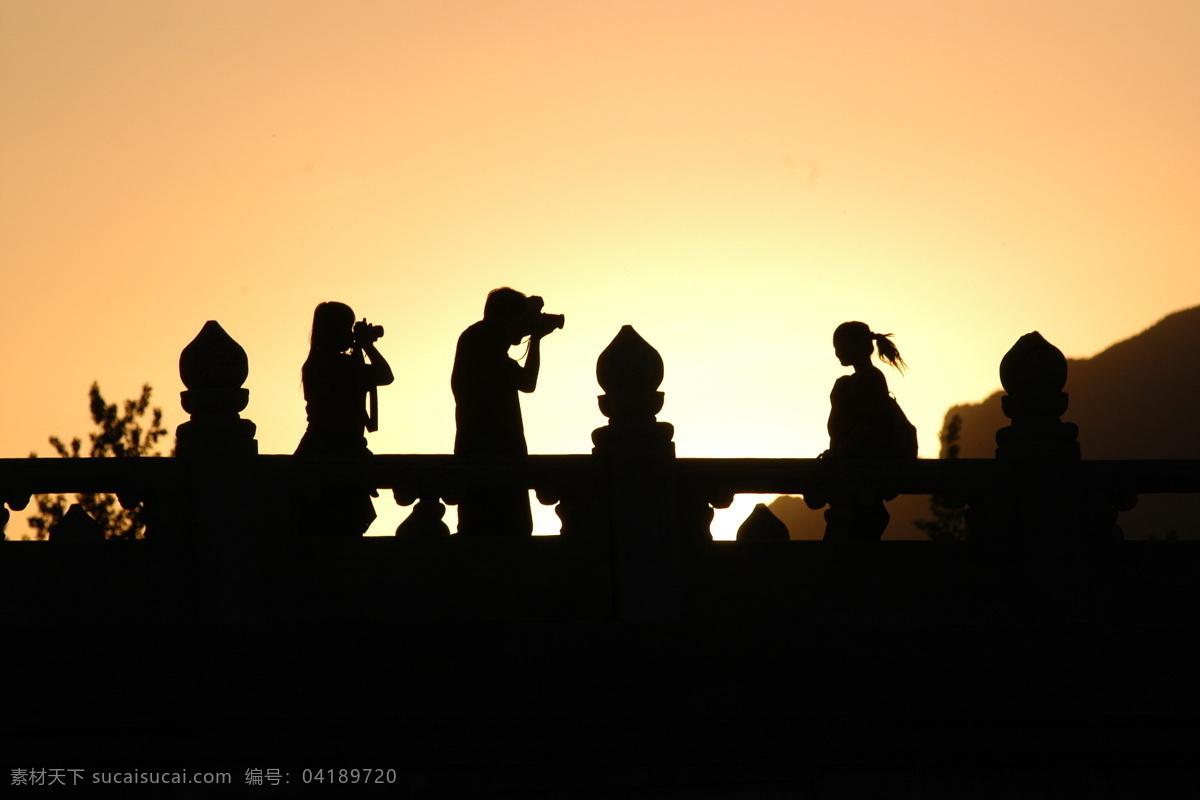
x,y
1135,400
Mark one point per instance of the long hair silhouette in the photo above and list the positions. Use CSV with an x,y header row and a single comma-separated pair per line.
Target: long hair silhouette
x,y
332,332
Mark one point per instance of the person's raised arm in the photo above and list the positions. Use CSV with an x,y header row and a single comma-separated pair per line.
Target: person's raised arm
x,y
533,363
380,372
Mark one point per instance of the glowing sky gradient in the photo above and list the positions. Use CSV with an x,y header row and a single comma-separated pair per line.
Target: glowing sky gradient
x,y
732,178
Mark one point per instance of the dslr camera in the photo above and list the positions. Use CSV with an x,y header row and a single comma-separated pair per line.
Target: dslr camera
x,y
366,333
533,322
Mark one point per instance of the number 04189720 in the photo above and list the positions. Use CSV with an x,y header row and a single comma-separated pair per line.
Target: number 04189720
x,y
348,776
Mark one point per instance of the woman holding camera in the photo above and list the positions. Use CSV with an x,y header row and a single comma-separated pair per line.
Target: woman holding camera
x,y
341,372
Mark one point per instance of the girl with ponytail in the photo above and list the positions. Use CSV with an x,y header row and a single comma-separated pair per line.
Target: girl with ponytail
x,y
865,421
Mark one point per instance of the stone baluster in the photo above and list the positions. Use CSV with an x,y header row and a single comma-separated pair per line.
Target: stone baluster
x,y
77,526
639,457
763,526
1043,496
630,372
213,368
1034,372
219,493
425,521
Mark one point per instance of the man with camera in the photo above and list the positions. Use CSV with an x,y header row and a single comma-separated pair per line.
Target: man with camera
x,y
487,409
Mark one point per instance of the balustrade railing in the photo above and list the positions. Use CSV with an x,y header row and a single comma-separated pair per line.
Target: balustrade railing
x,y
631,490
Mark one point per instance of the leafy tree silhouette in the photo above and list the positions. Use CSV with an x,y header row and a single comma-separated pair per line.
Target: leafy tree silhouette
x,y
949,522
121,435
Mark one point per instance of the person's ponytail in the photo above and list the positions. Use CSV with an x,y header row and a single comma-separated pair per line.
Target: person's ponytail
x,y
888,351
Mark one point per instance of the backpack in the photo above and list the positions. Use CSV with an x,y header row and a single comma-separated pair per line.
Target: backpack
x,y
902,434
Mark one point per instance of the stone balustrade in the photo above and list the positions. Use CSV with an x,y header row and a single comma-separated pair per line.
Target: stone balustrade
x,y
632,490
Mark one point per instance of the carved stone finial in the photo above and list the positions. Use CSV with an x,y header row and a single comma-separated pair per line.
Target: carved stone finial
x,y
629,364
1033,366
213,360
1044,496
77,525
1034,372
213,367
762,526
425,521
630,372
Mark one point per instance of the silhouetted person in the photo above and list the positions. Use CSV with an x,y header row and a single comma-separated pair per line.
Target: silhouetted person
x,y
487,410
865,421
341,373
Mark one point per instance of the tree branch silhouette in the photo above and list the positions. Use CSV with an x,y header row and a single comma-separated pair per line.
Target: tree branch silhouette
x,y
122,433
949,522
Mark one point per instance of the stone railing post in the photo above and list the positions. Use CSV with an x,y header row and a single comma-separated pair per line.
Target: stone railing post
x,y
1034,372
213,368
639,456
1043,496
219,492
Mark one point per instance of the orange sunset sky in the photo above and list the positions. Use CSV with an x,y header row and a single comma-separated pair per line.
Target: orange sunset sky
x,y
732,178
